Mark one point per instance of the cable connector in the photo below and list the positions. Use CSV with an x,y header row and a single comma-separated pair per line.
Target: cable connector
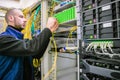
x,y
69,49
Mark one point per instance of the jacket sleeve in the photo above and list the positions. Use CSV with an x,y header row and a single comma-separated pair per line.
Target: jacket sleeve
x,y
10,46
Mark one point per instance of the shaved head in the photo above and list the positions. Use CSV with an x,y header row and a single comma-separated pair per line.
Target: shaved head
x,y
15,18
10,12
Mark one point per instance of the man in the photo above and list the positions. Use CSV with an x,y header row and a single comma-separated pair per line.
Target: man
x,y
15,52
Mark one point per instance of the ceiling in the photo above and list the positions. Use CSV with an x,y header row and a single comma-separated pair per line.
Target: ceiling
x,y
6,4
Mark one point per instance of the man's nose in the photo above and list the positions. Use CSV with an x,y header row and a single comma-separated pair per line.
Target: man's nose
x,y
25,19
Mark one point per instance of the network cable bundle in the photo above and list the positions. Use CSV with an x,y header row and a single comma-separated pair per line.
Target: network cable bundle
x,y
100,26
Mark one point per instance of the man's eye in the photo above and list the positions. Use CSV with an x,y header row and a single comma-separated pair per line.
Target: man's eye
x,y
21,16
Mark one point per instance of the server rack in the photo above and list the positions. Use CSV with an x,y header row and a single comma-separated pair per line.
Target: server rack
x,y
66,59
99,39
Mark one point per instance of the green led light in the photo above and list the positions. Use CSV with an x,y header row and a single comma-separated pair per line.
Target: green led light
x,y
89,6
90,21
91,37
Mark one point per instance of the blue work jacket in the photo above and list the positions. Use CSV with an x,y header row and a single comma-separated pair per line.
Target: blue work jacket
x,y
16,53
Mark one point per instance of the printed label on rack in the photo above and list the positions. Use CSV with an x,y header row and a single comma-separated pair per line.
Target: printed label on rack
x,y
107,24
106,7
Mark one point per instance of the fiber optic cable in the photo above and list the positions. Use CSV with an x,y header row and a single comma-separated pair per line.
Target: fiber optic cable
x,y
55,58
30,25
87,49
109,47
27,31
70,36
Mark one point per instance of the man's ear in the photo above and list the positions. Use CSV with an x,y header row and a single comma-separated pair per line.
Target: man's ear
x,y
11,18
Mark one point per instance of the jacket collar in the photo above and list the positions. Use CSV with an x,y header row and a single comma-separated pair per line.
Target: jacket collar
x,y
13,32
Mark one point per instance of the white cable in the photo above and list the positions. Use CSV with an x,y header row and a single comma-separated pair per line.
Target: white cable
x,y
105,47
109,46
87,49
102,46
95,47
114,54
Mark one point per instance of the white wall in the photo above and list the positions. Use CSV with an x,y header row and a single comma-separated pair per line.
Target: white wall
x,y
6,4
16,3
9,4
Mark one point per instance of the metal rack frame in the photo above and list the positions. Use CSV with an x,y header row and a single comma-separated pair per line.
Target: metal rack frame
x,y
82,41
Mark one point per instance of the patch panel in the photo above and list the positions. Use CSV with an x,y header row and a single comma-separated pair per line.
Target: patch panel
x,y
113,43
65,15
